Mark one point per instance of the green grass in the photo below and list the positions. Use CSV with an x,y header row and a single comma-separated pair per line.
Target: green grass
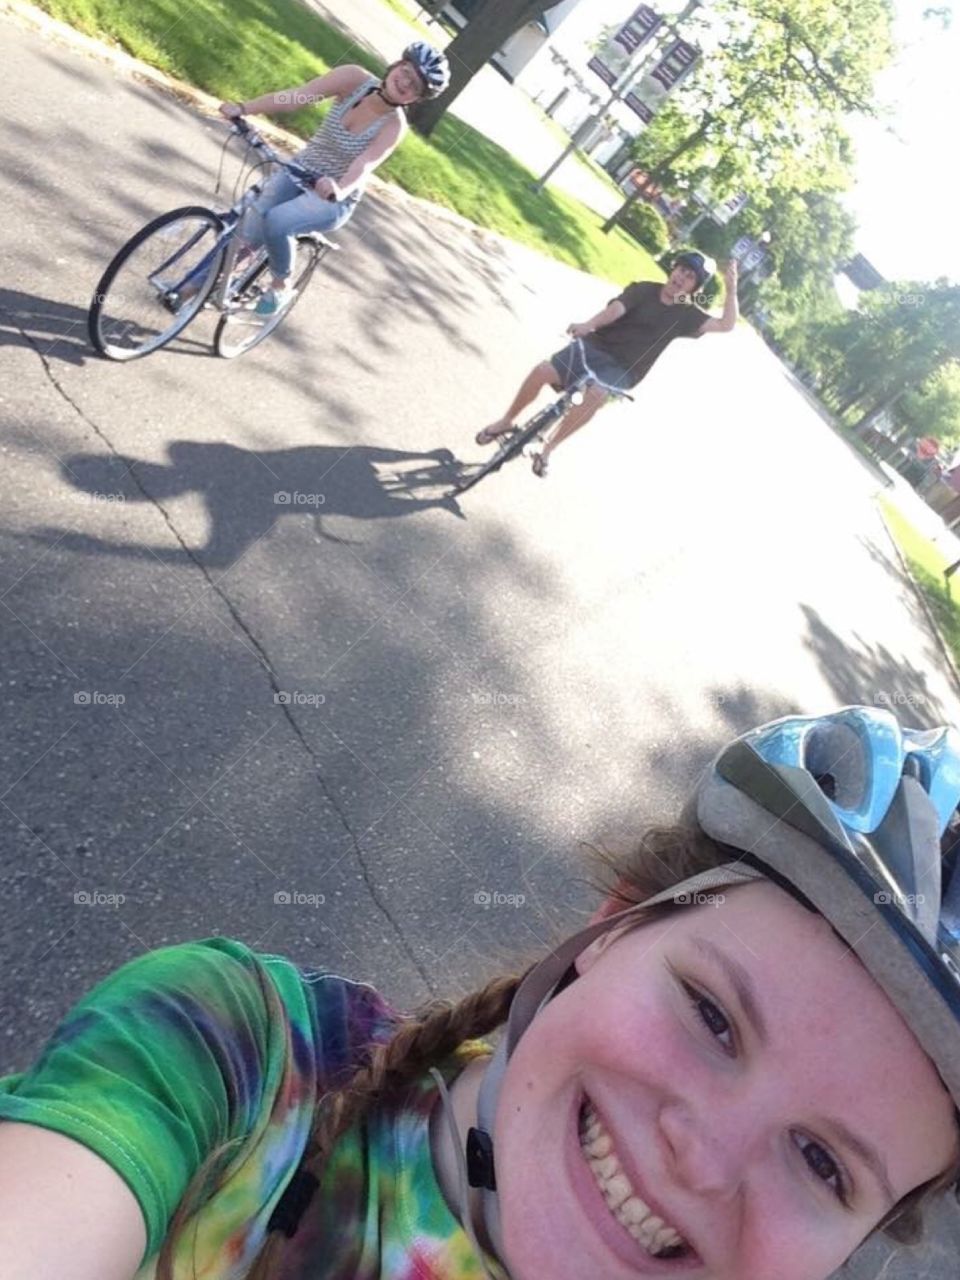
x,y
563,139
402,11
465,171
927,564
243,48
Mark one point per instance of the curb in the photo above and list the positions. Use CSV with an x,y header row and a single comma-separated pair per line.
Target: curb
x,y
918,592
33,18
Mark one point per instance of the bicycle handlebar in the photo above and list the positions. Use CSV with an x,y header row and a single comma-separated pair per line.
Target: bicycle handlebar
x,y
304,178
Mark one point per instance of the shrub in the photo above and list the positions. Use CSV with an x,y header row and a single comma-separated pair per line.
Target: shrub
x,y
647,226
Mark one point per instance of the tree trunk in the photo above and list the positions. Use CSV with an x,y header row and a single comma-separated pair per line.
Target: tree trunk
x,y
886,403
850,399
492,22
659,171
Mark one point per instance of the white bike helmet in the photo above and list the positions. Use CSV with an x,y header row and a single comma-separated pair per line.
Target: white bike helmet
x,y
432,66
845,812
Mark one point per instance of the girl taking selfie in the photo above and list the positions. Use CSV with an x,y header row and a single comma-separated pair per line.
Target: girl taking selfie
x,y
743,1067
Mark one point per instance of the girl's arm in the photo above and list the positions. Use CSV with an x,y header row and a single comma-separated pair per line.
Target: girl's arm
x,y
336,83
63,1210
382,145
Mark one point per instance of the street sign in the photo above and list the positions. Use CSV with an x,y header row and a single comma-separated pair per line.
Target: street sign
x,y
678,60
725,211
749,253
614,57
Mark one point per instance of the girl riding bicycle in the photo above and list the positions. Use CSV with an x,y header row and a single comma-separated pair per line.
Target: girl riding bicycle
x,y
364,126
746,1064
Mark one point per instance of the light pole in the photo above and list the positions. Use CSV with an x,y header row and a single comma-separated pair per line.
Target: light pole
x,y
620,89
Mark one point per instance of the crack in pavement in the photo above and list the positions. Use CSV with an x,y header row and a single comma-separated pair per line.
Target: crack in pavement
x,y
258,648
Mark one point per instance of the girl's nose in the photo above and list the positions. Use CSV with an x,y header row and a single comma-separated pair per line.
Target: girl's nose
x,y
705,1153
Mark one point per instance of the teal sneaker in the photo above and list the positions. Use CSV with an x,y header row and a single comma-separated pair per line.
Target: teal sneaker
x,y
272,301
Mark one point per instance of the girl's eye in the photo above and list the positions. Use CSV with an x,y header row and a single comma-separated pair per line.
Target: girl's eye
x,y
823,1166
713,1018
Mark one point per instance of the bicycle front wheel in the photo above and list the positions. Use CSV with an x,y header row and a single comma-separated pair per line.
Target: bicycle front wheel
x,y
240,329
157,283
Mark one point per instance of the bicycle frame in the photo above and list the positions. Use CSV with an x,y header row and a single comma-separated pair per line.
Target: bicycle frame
x,y
220,297
514,442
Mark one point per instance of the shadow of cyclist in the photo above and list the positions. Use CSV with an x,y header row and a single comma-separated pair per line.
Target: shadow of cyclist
x,y
246,491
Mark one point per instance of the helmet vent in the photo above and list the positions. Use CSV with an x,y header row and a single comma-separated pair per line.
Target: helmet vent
x,y
827,784
833,754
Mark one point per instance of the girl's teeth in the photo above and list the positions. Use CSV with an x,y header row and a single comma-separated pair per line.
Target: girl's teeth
x,y
644,1225
616,1190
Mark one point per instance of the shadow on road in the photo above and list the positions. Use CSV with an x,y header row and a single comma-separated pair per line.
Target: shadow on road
x,y
363,482
872,675
52,328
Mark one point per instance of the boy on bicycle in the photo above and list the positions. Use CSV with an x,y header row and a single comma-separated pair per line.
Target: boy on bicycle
x,y
620,345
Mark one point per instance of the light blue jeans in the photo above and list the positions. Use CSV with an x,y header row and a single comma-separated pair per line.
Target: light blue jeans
x,y
282,211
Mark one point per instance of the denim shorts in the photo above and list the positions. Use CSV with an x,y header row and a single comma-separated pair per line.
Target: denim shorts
x,y
573,361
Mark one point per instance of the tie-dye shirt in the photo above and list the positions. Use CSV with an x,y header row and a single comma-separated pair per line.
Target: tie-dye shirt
x,y
177,1052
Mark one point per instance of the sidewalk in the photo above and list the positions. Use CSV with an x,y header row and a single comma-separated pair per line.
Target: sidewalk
x,y
920,515
489,104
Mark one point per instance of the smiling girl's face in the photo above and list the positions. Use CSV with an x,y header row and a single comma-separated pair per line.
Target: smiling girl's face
x,y
403,83
732,1070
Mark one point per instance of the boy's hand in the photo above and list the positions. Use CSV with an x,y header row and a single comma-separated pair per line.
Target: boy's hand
x,y
578,330
730,271
231,110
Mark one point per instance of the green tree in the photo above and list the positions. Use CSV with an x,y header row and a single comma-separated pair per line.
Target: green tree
x,y
896,342
771,95
933,409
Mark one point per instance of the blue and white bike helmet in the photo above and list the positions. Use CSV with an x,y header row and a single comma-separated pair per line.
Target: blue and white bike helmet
x,y
847,812
432,66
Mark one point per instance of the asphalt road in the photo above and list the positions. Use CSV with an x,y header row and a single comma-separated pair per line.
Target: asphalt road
x,y
400,705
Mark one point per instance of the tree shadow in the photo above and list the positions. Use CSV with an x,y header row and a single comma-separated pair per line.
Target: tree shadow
x,y
870,674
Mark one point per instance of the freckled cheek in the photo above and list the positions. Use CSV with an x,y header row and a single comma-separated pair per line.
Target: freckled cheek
x,y
646,1038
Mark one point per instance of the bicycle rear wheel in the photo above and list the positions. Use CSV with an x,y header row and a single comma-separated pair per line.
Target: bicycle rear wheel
x,y
240,329
136,308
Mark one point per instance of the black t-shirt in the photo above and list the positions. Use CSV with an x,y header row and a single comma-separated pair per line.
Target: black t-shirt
x,y
646,328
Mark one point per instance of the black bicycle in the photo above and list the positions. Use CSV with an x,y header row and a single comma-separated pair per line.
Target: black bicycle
x,y
513,442
188,259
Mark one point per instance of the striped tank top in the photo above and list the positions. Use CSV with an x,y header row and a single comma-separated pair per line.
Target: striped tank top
x,y
333,148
